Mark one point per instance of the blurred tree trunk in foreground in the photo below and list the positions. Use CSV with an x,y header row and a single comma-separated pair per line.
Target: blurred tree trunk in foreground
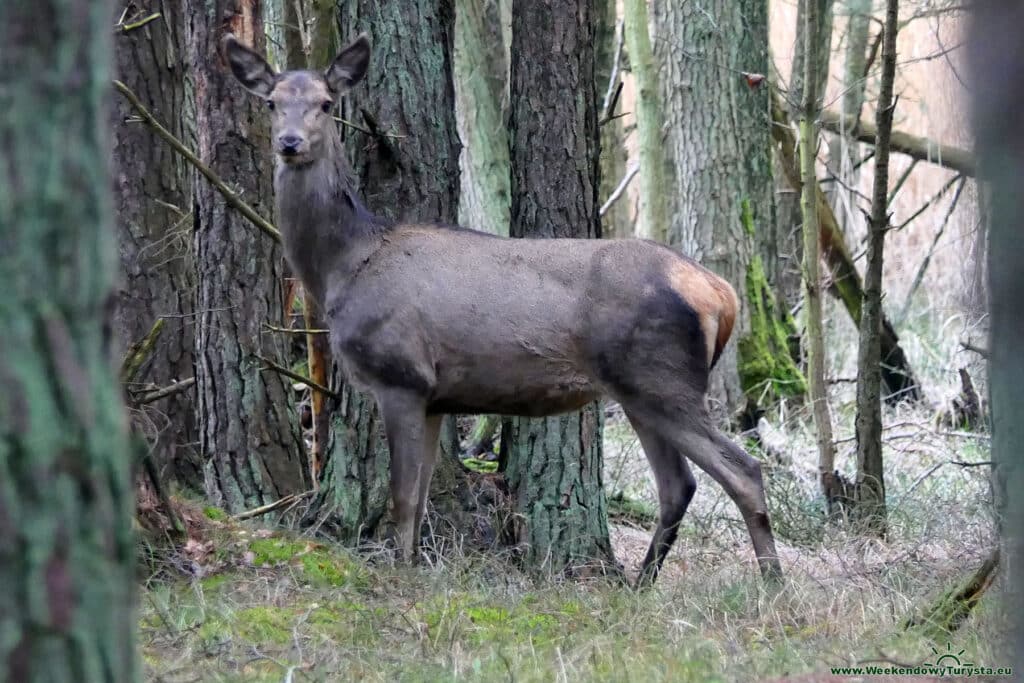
x,y
152,196
248,433
997,60
723,207
554,463
67,556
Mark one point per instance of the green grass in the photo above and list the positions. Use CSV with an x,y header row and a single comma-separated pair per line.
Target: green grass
x,y
473,618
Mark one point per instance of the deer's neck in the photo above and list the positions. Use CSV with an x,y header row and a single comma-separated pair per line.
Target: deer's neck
x,y
326,230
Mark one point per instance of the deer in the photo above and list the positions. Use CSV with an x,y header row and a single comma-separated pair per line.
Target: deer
x,y
432,319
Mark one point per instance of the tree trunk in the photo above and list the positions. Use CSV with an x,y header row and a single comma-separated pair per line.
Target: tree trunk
x,y
843,150
481,73
997,66
652,218
822,41
809,201
617,221
845,282
248,434
870,467
409,92
554,463
152,198
788,277
67,552
723,210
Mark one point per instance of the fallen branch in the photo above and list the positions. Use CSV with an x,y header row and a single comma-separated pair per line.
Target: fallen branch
x,y
178,146
931,201
922,149
281,370
170,390
923,268
614,196
287,501
951,610
299,330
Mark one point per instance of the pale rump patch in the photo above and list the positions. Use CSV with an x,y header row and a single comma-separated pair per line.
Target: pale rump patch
x,y
712,298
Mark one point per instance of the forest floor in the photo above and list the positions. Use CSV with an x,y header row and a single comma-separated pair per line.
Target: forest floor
x,y
243,603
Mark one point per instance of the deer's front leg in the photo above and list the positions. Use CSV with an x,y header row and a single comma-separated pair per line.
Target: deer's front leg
x,y
405,421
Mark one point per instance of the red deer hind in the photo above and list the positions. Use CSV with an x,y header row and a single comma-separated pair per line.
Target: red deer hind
x,y
434,320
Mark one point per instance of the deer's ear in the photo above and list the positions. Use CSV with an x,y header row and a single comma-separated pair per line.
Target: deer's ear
x,y
248,67
349,67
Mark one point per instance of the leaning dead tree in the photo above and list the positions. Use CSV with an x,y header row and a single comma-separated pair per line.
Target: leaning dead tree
x,y
915,147
845,283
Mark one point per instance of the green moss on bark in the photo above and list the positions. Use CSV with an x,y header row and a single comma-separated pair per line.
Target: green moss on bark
x,y
767,370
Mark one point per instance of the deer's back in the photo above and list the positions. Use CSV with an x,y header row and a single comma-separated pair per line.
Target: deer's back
x,y
525,326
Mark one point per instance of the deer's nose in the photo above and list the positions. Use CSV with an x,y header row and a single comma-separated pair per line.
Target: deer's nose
x,y
289,143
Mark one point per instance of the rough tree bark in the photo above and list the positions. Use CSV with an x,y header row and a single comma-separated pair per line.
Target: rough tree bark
x,y
788,277
997,66
408,91
870,507
152,196
652,217
809,200
617,221
554,464
248,435
67,553
723,209
480,77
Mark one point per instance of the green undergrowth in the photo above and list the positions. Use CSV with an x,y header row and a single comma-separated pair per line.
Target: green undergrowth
x,y
278,607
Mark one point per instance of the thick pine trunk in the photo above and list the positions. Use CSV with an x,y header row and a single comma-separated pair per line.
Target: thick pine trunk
x,y
722,212
554,464
67,553
408,91
248,434
152,196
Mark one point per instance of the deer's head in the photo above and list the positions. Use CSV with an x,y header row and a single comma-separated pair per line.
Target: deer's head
x,y
300,102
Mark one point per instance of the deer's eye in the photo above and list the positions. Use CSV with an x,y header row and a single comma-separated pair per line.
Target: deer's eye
x,y
270,105
326,106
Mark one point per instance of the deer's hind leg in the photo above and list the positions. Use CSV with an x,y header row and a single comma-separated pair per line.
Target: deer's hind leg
x,y
676,486
735,470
